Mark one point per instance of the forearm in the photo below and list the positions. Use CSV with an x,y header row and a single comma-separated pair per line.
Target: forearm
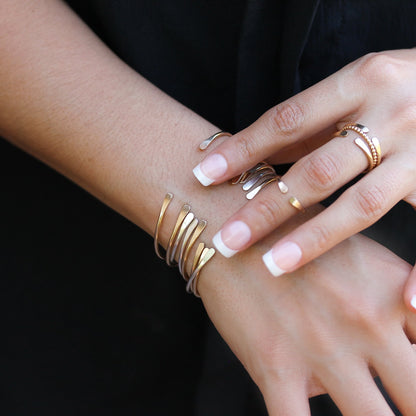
x,y
70,102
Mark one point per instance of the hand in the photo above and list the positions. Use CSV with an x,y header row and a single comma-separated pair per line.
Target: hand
x,y
378,90
327,328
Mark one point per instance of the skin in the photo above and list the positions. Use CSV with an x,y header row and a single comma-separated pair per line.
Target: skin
x,y
70,102
378,90
309,333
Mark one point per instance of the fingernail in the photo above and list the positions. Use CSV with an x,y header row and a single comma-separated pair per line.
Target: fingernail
x,y
413,301
210,169
281,259
232,238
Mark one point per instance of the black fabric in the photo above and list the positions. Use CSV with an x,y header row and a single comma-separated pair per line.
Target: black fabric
x,y
92,325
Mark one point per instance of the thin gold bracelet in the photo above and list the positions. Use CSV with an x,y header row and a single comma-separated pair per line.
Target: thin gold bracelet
x,y
187,247
182,214
166,201
201,260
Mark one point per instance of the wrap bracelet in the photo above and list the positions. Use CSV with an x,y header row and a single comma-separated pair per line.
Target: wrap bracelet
x,y
185,233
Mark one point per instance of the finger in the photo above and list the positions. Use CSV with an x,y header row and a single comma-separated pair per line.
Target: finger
x,y
354,391
307,113
315,177
409,326
286,398
410,291
398,373
357,208
297,150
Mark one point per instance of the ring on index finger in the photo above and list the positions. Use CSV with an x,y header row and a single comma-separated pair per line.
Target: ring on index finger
x,y
252,180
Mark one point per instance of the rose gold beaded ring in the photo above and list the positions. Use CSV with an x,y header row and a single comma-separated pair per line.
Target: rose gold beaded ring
x,y
370,146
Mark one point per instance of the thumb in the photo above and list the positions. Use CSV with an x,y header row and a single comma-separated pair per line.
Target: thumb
x,y
410,291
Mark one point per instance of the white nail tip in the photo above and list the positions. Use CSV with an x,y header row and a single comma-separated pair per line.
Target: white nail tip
x,y
203,179
221,247
413,301
271,265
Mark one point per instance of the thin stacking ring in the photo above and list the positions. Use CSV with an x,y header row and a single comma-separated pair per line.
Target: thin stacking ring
x,y
254,179
370,146
297,204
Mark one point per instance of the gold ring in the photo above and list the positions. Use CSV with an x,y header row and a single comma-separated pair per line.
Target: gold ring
x,y
254,179
296,203
370,146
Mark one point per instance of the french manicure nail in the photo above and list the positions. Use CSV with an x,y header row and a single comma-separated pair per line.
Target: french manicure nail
x,y
210,169
413,301
232,238
281,259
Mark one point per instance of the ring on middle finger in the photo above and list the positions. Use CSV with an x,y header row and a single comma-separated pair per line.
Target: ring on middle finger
x,y
370,146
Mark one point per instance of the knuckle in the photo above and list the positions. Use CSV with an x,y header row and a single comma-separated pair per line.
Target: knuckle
x,y
321,237
371,202
268,209
407,115
408,166
321,171
286,118
273,364
266,366
363,317
380,68
245,148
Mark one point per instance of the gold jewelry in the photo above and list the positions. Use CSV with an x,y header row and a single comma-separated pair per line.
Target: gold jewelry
x,y
187,246
165,204
202,256
189,231
296,203
254,179
185,224
370,146
184,212
186,231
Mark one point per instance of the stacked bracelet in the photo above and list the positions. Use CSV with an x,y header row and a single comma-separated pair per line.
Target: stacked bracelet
x,y
186,231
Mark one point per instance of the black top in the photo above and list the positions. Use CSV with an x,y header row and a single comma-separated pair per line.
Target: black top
x,y
89,326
